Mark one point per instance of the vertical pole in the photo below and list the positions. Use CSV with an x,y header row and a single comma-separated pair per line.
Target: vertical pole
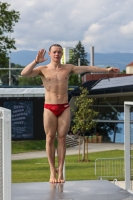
x,y
83,154
9,69
9,63
79,65
79,149
87,149
64,171
84,78
92,56
127,144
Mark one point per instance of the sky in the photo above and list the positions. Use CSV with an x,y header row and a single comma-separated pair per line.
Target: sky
x,y
105,24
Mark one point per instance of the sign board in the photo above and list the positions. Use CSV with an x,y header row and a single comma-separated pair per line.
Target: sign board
x,y
21,119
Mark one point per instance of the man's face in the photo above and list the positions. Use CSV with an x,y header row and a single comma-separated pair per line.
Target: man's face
x,y
56,53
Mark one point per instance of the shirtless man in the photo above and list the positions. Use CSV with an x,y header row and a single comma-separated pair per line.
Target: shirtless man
x,y
56,108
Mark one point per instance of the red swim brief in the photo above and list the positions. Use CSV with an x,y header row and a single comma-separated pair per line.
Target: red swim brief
x,y
57,109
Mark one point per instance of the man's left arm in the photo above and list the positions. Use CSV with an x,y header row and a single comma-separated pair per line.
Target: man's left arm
x,y
93,69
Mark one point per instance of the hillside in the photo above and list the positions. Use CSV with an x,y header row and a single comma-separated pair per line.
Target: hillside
x,y
119,60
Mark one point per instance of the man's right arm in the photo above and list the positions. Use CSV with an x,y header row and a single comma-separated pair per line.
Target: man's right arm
x,y
30,71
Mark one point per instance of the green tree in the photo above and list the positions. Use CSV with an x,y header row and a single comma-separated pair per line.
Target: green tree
x,y
8,18
4,76
123,72
16,72
25,81
77,52
74,80
84,116
106,129
5,79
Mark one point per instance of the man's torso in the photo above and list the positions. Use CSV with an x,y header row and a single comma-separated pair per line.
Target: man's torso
x,y
55,82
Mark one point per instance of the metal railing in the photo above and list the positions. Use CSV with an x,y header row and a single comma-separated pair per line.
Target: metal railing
x,y
110,168
73,140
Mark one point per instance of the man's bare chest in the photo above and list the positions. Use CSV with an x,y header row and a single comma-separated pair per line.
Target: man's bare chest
x,y
56,75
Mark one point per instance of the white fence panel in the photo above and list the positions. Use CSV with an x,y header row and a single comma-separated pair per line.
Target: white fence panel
x,y
5,154
128,139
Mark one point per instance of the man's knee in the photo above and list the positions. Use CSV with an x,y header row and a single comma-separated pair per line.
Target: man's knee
x,y
50,139
62,139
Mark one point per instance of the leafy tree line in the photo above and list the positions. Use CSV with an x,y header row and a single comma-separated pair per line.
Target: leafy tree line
x,y
17,79
78,52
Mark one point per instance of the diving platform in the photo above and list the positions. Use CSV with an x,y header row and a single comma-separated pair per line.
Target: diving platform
x,y
70,190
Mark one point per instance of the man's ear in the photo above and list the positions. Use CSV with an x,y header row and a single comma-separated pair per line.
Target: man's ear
x,y
49,53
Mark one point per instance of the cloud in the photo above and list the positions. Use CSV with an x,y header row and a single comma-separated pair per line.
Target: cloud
x,y
127,29
106,24
94,28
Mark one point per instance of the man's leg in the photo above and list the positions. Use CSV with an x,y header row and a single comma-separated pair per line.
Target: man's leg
x,y
50,127
63,128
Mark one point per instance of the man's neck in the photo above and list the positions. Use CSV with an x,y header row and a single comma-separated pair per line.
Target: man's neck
x,y
55,65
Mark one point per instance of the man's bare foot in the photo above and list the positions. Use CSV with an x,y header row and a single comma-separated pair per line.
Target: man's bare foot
x,y
53,176
60,176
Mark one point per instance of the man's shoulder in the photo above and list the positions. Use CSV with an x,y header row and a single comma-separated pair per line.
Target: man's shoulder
x,y
42,67
69,65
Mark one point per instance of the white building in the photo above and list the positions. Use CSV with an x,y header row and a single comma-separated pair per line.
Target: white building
x,y
67,54
129,68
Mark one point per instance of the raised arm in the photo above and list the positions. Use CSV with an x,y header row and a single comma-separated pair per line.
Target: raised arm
x,y
30,70
93,69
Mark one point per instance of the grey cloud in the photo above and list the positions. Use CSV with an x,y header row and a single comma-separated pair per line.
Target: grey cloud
x,y
45,22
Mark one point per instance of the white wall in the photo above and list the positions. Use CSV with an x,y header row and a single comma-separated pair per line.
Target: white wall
x,y
129,70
